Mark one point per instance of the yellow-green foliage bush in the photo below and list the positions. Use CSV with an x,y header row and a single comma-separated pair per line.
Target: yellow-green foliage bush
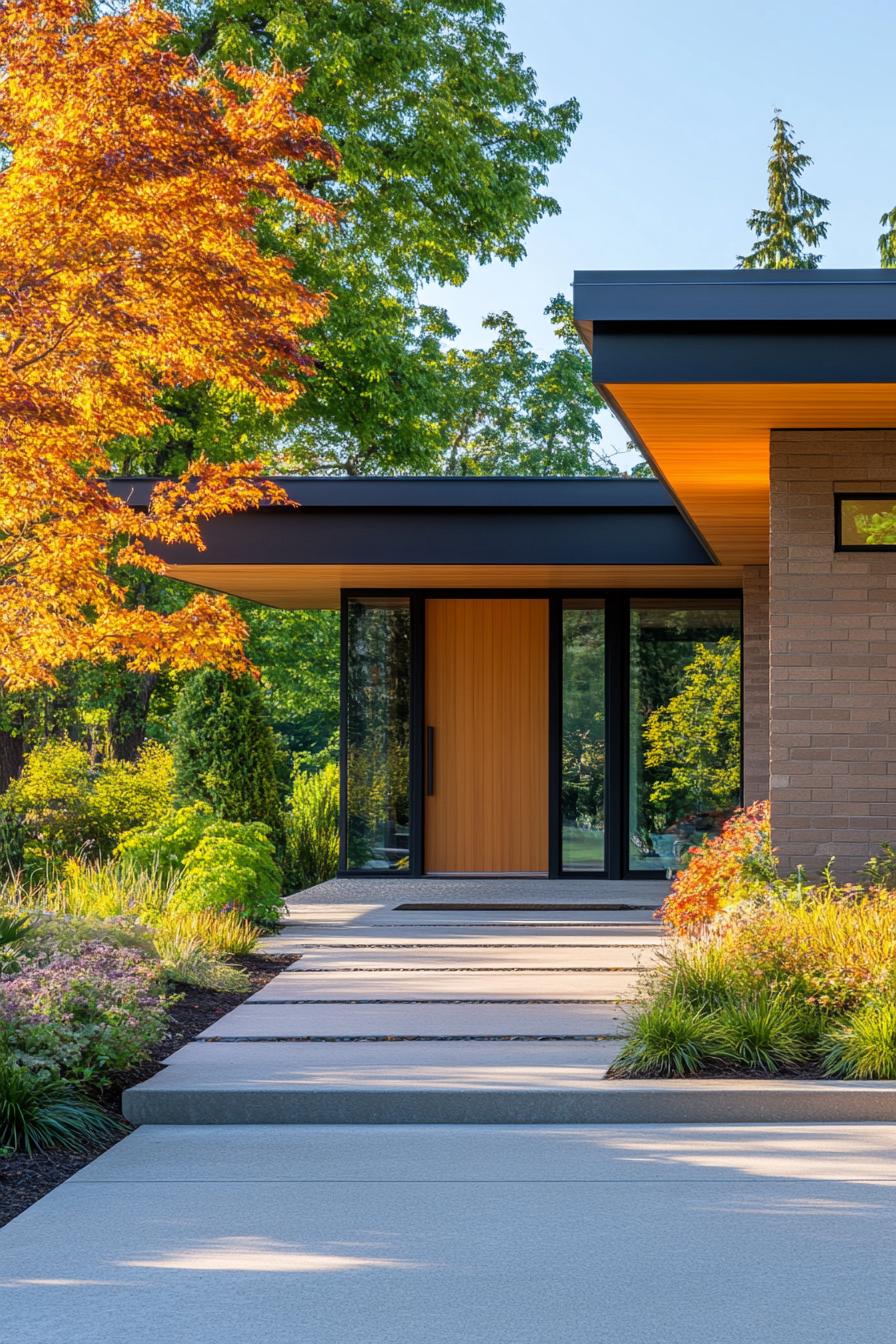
x,y
68,804
312,827
221,864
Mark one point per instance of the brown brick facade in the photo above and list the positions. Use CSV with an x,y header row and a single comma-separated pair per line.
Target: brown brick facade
x,y
755,654
832,673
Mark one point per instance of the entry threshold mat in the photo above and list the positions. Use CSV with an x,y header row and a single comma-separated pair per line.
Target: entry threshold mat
x,y
524,907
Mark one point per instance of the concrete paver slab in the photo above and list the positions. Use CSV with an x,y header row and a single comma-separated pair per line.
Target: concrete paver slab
x,y
391,890
439,985
416,1019
515,957
395,1064
299,941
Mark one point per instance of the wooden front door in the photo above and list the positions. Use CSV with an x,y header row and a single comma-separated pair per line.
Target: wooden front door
x,y
487,735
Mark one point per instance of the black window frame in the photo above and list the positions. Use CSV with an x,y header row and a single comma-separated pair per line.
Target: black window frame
x,y
617,605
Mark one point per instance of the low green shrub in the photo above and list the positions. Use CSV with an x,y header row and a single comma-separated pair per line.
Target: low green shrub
x,y
312,827
45,1112
223,864
669,1038
864,1044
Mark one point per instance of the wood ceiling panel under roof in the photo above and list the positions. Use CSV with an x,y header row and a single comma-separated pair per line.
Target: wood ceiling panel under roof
x,y
703,366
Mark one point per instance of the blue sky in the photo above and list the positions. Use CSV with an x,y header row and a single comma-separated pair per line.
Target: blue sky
x,y
670,156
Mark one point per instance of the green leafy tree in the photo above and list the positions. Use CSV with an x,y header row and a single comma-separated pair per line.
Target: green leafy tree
x,y
446,149
511,411
792,223
224,749
693,740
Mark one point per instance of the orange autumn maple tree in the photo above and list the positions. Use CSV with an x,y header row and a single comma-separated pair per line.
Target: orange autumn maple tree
x,y
130,181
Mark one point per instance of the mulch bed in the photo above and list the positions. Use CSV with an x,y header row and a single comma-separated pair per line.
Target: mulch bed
x,y
24,1179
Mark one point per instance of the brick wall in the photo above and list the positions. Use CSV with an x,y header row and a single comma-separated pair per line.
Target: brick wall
x,y
755,655
832,674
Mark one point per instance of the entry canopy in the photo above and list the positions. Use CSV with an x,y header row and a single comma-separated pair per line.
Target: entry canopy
x,y
442,532
701,366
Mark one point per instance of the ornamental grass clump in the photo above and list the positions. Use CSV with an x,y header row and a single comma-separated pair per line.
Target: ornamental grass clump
x,y
863,1045
45,1112
669,1039
765,1033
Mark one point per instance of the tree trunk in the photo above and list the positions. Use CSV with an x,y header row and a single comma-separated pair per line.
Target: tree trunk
x,y
12,757
127,724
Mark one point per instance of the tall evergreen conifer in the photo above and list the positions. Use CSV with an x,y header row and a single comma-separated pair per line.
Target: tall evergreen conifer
x,y
792,223
224,749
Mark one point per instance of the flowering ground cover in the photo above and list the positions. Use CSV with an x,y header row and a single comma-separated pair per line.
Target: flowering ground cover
x,y
27,1177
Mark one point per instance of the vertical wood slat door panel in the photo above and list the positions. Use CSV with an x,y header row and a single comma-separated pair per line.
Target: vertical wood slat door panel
x,y
487,702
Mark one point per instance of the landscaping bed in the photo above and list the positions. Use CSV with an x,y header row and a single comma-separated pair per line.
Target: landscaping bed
x,y
26,1178
769,975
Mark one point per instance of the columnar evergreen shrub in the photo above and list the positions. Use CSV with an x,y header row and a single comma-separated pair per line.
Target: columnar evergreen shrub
x,y
312,827
225,750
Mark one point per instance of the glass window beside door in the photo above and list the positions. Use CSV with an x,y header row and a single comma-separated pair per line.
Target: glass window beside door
x,y
377,751
684,726
583,747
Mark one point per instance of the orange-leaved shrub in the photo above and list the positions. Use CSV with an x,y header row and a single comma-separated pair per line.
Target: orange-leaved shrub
x,y
726,868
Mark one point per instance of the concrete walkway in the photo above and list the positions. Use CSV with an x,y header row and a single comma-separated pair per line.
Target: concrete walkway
x,y
423,1000
486,1235
348,1233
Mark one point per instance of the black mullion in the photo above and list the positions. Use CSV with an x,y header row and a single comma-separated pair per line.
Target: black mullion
x,y
555,731
417,715
343,733
615,670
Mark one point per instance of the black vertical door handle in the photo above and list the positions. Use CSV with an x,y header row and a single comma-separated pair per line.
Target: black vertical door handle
x,y
430,760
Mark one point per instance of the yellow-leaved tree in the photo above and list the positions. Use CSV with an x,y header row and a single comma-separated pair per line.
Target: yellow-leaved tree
x,y
130,180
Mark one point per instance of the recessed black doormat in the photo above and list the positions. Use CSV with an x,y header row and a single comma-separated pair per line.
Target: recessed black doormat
x,y
504,905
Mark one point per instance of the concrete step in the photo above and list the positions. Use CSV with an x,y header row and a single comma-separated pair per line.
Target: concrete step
x,y
469,1082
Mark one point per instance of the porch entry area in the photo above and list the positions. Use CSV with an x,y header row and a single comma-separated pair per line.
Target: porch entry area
x,y
536,734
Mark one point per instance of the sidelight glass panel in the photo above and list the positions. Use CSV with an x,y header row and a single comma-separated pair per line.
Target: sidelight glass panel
x,y
684,726
377,693
584,737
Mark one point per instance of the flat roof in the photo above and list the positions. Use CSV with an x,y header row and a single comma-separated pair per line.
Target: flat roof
x,y
459,532
701,367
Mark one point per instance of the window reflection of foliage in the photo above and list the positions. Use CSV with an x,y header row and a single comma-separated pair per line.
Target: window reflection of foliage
x,y
378,734
693,741
876,529
665,653
583,749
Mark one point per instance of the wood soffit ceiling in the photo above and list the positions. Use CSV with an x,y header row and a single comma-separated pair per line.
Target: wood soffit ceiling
x,y
709,442
296,586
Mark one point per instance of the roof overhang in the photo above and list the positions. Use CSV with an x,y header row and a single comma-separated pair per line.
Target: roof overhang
x,y
464,532
701,366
